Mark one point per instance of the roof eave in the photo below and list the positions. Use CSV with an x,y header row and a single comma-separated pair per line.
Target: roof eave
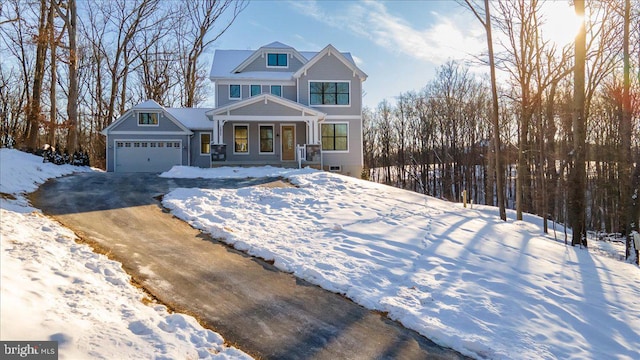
x,y
267,97
262,50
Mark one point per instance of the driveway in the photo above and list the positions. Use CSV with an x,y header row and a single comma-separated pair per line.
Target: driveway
x,y
254,306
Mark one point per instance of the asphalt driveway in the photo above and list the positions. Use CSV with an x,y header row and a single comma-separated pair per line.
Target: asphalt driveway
x,y
254,306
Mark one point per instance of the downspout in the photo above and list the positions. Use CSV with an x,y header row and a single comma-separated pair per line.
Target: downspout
x,y
319,141
361,130
106,151
189,150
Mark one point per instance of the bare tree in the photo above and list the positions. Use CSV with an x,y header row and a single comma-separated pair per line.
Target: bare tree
x,y
577,196
4,17
54,72
33,114
626,161
385,138
495,119
69,13
194,35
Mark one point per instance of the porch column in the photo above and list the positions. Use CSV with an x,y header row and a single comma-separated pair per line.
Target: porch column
x,y
313,130
218,131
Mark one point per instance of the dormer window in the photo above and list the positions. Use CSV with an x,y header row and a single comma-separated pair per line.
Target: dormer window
x,y
277,60
148,119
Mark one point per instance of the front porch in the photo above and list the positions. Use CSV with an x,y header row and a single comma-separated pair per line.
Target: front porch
x,y
305,155
266,130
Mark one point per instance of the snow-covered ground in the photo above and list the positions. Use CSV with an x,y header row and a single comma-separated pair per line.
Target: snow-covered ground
x,y
461,277
54,288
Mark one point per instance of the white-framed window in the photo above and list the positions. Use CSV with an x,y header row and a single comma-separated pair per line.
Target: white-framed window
x,y
277,60
329,93
205,143
335,137
276,90
255,90
266,139
235,92
147,119
241,139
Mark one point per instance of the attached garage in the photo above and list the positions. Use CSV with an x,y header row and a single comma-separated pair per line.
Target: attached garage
x,y
147,156
149,138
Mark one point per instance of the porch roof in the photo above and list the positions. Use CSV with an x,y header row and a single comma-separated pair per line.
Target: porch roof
x,y
306,112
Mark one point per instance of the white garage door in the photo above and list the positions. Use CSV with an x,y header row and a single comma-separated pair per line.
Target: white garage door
x,y
147,156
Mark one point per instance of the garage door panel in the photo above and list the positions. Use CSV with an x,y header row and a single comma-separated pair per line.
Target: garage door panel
x,y
147,156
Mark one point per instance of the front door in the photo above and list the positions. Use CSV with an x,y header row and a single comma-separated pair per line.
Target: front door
x,y
288,142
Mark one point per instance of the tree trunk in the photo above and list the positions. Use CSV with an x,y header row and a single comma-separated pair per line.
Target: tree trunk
x,y
495,119
625,136
33,114
577,194
72,103
52,90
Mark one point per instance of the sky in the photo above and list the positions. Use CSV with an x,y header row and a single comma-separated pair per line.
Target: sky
x,y
399,44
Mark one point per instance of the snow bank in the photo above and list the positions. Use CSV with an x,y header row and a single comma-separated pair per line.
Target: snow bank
x,y
230,172
56,289
461,277
22,173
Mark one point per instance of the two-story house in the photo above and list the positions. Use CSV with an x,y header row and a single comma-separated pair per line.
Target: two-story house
x,y
270,103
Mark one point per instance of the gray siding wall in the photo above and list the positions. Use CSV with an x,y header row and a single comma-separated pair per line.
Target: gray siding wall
x,y
351,161
260,64
197,159
329,68
222,93
130,123
269,109
290,92
254,141
111,139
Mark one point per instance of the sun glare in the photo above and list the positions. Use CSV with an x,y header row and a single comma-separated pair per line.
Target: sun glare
x,y
561,22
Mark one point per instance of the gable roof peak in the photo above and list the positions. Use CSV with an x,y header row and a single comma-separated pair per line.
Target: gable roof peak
x,y
274,46
277,45
149,105
330,50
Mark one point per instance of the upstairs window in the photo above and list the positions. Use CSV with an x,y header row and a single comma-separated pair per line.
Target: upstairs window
x,y
235,92
256,90
329,93
148,119
276,90
277,60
